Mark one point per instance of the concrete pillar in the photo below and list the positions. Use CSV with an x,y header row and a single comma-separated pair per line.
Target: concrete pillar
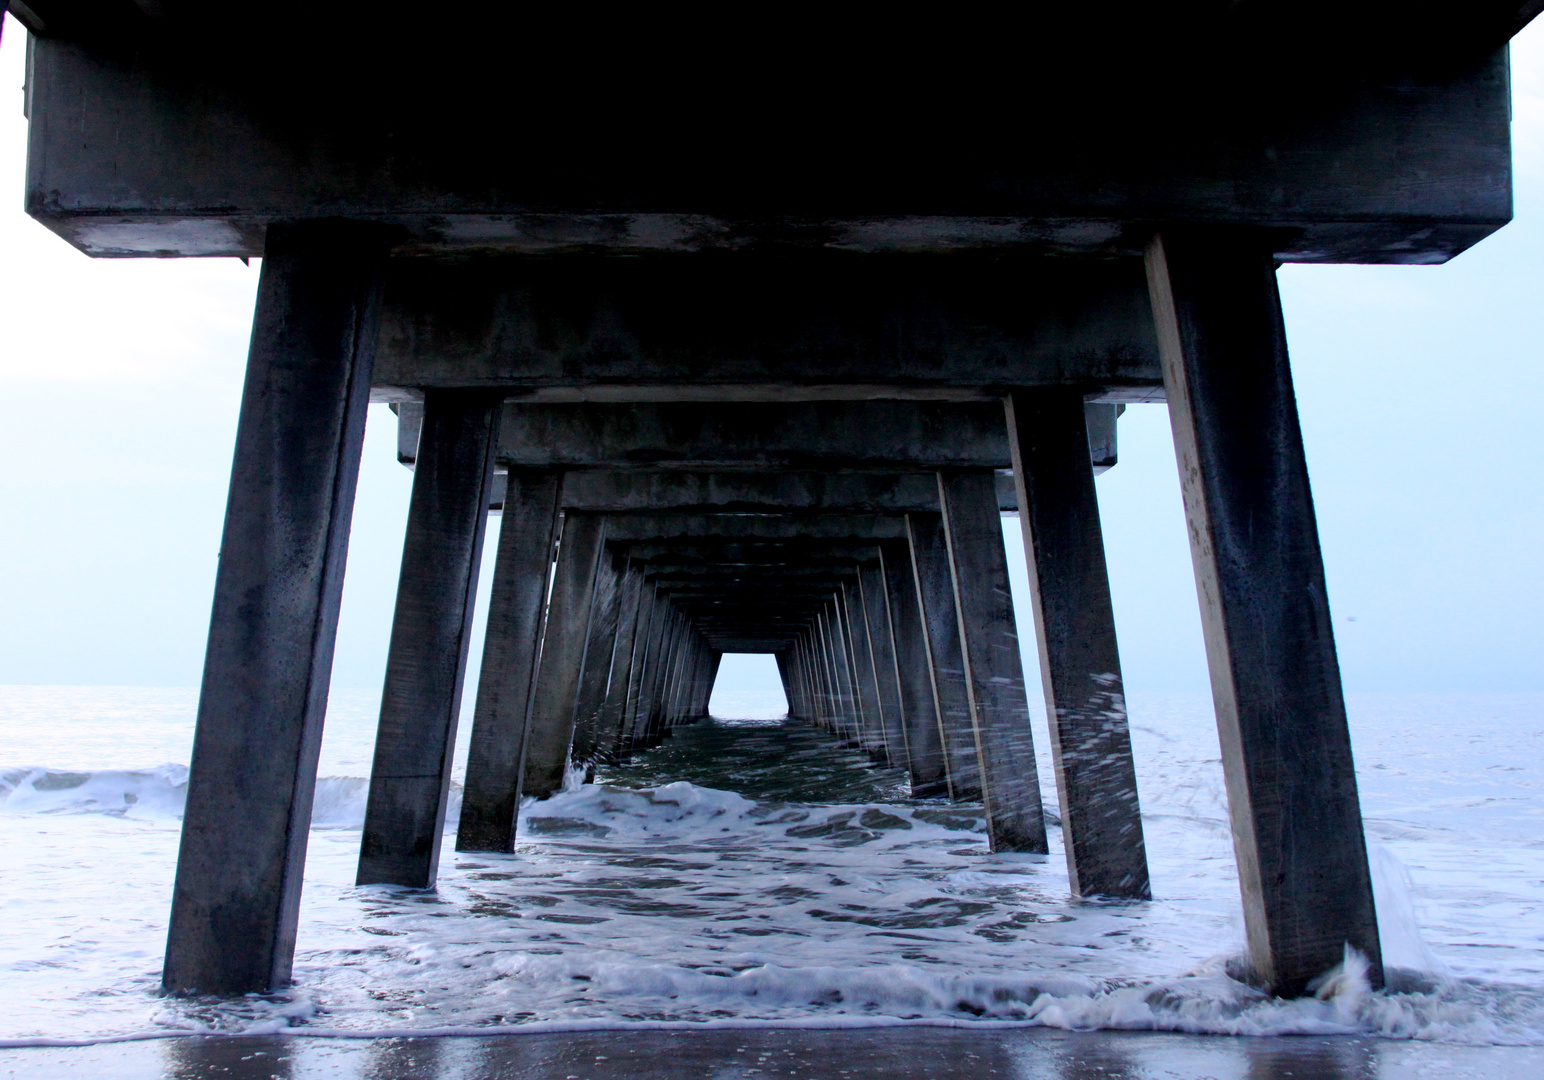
x,y
871,588
946,661
691,675
613,712
430,634
824,698
710,676
798,700
919,706
810,707
847,718
659,694
680,648
634,715
280,578
648,679
1085,699
562,653
599,656
655,658
785,676
670,671
517,605
799,706
865,681
989,637
681,659
1286,748
824,687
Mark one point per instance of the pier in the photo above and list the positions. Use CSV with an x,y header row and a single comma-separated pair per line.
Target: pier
x,y
756,365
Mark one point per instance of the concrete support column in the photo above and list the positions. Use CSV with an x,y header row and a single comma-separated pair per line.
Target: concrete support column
x,y
634,718
599,656
1286,748
824,693
826,684
835,713
653,658
664,676
670,672
871,588
613,713
522,569
710,676
919,706
799,666
847,718
686,681
946,660
785,676
562,654
430,634
692,711
799,705
656,658
866,682
676,673
1085,699
280,579
989,637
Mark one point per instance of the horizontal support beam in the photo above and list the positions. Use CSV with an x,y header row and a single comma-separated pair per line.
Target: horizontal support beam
x,y
851,527
146,145
709,327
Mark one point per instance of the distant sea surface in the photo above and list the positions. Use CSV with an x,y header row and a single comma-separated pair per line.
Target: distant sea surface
x,y
752,871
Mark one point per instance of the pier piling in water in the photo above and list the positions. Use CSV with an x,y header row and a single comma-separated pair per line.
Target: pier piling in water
x,y
753,406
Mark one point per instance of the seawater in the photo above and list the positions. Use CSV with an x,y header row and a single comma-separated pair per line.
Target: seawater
x,y
752,871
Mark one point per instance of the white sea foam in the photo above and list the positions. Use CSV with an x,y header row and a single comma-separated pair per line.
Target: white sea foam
x,y
644,900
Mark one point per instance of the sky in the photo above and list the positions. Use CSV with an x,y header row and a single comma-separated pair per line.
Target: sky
x,y
120,382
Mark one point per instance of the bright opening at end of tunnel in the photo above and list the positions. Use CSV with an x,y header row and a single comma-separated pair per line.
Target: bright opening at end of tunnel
x,y
748,687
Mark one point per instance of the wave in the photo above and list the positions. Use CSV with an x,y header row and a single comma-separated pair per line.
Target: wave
x,y
1205,1002
159,792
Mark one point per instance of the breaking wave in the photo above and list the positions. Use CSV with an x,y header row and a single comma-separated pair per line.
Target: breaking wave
x,y
793,884
159,793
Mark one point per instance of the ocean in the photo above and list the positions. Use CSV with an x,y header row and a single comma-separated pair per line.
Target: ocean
x,y
750,871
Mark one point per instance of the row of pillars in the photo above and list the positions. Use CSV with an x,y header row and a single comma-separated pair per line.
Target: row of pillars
x,y
620,651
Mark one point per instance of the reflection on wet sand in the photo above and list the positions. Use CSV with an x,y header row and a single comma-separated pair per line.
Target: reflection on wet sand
x,y
904,1053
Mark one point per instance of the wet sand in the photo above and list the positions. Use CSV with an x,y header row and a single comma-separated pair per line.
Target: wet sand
x,y
909,1053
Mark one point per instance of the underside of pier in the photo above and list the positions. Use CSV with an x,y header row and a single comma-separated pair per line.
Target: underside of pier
x,y
751,353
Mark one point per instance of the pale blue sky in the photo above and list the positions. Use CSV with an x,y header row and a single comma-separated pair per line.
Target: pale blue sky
x,y
119,383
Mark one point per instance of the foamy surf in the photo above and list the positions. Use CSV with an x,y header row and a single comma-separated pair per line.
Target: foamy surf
x,y
160,792
806,895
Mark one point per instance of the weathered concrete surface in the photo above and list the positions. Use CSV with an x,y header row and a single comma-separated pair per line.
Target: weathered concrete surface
x,y
934,584
1080,670
611,736
1286,749
994,671
863,668
876,609
551,726
809,436
430,634
788,526
516,609
773,329
1390,145
905,1053
600,650
919,705
702,492
276,596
